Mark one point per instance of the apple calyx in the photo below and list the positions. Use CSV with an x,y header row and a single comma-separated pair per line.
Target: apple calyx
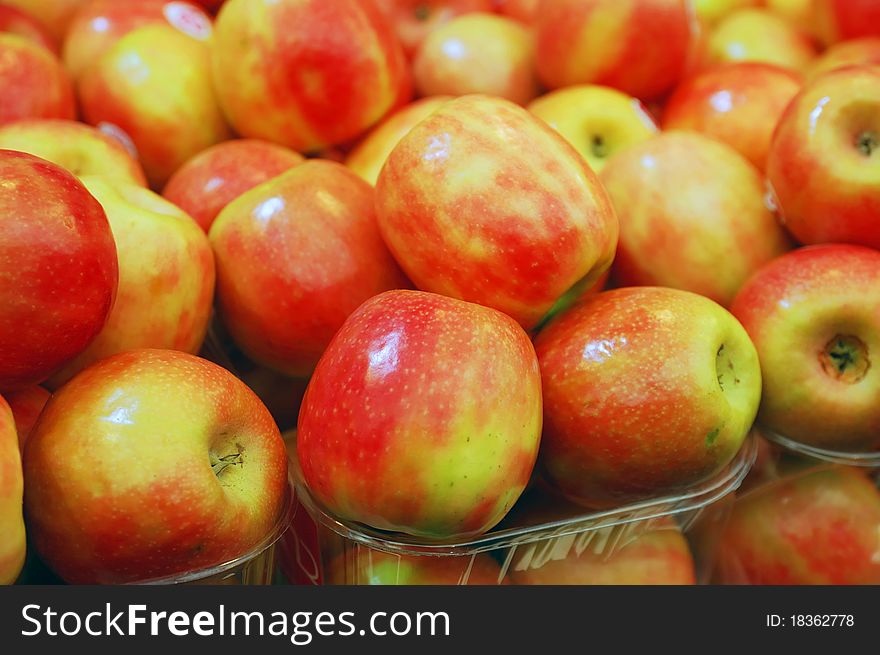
x,y
724,369
598,147
868,142
221,463
845,358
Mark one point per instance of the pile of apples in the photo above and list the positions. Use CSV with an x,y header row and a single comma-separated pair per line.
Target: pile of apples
x,y
463,246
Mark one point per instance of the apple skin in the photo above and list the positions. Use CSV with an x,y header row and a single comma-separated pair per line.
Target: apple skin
x,y
54,15
166,277
12,546
858,52
484,183
369,155
100,23
597,121
213,178
841,20
166,103
647,391
16,21
820,527
796,308
525,11
710,12
824,160
335,69
124,473
642,47
51,305
423,416
26,404
796,12
295,256
373,567
739,104
33,81
478,53
80,148
414,20
689,204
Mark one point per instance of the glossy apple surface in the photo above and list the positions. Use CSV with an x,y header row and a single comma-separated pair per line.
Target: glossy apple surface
x,y
12,546
33,81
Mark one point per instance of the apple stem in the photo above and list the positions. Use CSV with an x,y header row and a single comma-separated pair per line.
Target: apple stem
x,y
220,464
845,358
867,143
598,147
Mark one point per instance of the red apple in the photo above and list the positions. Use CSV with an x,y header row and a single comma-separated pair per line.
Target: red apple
x,y
215,177
814,316
34,83
819,527
647,391
414,20
295,256
824,160
525,11
26,404
54,15
486,185
640,47
57,265
688,205
151,463
858,52
365,566
739,104
306,73
423,416
16,21
841,20
12,546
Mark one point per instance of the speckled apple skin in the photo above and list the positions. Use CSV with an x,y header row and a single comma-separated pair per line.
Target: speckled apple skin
x,y
423,416
34,83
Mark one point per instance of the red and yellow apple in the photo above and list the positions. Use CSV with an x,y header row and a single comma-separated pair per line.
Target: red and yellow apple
x,y
213,178
525,11
842,20
12,546
151,463
710,12
423,416
486,185
814,316
796,12
414,20
16,21
366,566
26,404
647,391
857,52
33,81
54,15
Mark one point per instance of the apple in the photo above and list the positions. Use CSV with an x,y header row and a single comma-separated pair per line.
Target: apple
x,y
414,20
26,404
12,546
692,216
100,23
81,149
213,178
842,20
597,121
647,391
710,12
796,12
16,21
478,53
820,527
368,156
824,160
483,202
739,104
640,47
166,277
295,256
525,11
155,84
366,566
758,35
57,265
857,52
54,15
306,73
148,464
814,316
423,416
33,81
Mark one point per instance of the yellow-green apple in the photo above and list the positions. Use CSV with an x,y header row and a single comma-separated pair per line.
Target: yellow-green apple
x,y
26,404
33,81
483,183
739,104
423,416
640,47
819,527
478,53
306,73
98,24
689,204
151,463
374,567
814,316
414,20
857,52
12,546
710,12
841,20
647,391
54,15
81,149
368,156
213,178
16,21
58,268
166,277
295,256
824,160
525,11
596,120
757,35
155,84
